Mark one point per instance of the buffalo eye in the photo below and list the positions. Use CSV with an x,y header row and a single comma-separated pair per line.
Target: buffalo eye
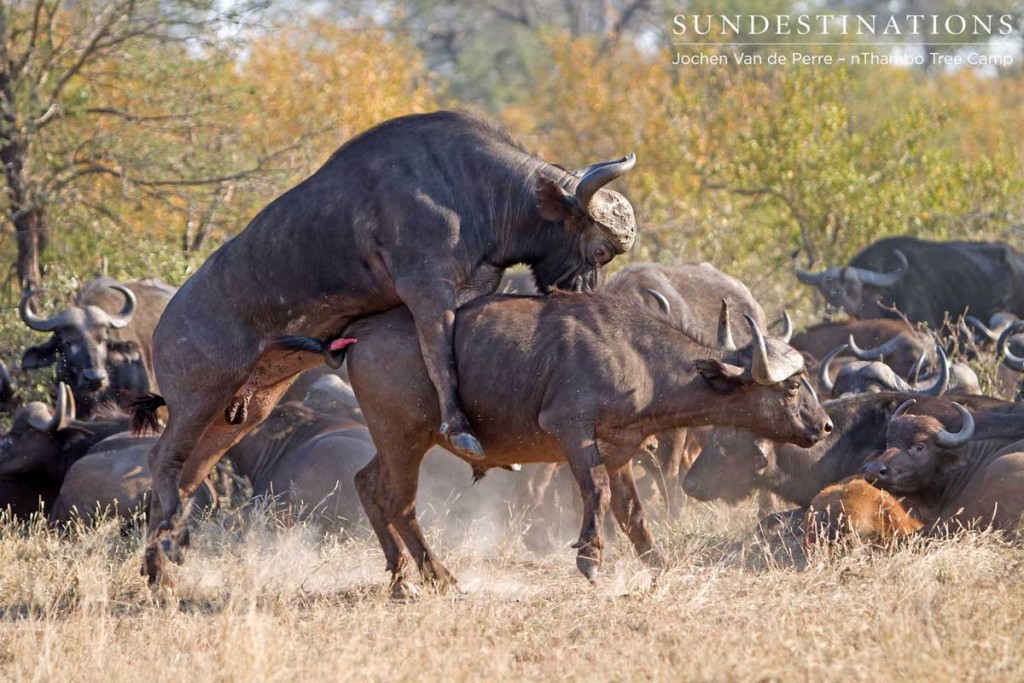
x,y
73,348
760,462
602,255
918,447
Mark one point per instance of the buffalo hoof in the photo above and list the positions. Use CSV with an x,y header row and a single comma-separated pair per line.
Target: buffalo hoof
x,y
463,444
236,413
588,566
156,567
654,560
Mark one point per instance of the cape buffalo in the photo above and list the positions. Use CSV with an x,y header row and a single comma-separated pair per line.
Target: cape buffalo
x,y
853,508
927,281
424,210
737,462
971,477
113,477
40,447
584,378
859,377
305,461
102,345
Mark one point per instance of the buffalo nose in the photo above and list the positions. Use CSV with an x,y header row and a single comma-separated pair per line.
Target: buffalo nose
x,y
877,471
95,378
691,487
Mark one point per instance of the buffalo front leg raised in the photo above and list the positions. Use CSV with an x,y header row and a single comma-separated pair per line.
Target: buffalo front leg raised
x,y
584,458
433,311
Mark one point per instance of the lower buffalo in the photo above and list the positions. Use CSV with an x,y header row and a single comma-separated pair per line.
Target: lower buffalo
x,y
962,472
583,378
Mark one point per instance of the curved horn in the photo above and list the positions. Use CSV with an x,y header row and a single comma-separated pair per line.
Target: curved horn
x,y
54,423
951,440
787,327
941,382
1010,360
596,176
903,408
824,380
31,319
870,277
809,278
725,339
915,370
125,316
760,369
662,301
990,334
890,346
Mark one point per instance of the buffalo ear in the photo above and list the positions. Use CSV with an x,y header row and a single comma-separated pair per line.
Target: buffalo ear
x,y
722,377
71,437
951,461
125,351
554,203
40,356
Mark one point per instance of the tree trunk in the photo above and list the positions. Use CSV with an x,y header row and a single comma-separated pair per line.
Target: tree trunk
x,y
28,219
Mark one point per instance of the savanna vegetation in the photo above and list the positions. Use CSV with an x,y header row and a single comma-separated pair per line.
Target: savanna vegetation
x,y
136,136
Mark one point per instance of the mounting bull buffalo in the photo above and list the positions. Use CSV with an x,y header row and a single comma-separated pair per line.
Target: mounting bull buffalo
x,y
102,344
925,280
583,378
424,210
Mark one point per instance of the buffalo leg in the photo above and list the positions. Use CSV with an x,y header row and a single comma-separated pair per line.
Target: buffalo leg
x,y
433,311
402,480
369,485
592,477
196,437
629,512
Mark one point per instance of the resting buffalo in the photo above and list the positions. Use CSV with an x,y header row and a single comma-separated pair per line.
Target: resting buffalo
x,y
40,447
102,345
927,281
737,462
426,211
113,477
584,378
972,477
305,461
853,508
859,377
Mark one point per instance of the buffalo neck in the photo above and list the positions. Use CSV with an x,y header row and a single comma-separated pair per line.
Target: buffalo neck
x,y
992,434
678,395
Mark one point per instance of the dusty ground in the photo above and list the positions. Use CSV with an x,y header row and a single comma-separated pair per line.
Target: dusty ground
x,y
267,604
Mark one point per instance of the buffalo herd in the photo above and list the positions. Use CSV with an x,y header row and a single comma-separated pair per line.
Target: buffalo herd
x,y
358,332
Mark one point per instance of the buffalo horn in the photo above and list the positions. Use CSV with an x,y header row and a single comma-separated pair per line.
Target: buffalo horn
x,y
941,382
122,319
594,177
904,407
31,319
760,368
890,346
1010,360
915,370
809,278
725,339
824,381
787,327
662,301
870,277
951,440
56,420
990,334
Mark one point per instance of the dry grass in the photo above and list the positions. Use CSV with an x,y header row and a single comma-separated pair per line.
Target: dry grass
x,y
269,604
